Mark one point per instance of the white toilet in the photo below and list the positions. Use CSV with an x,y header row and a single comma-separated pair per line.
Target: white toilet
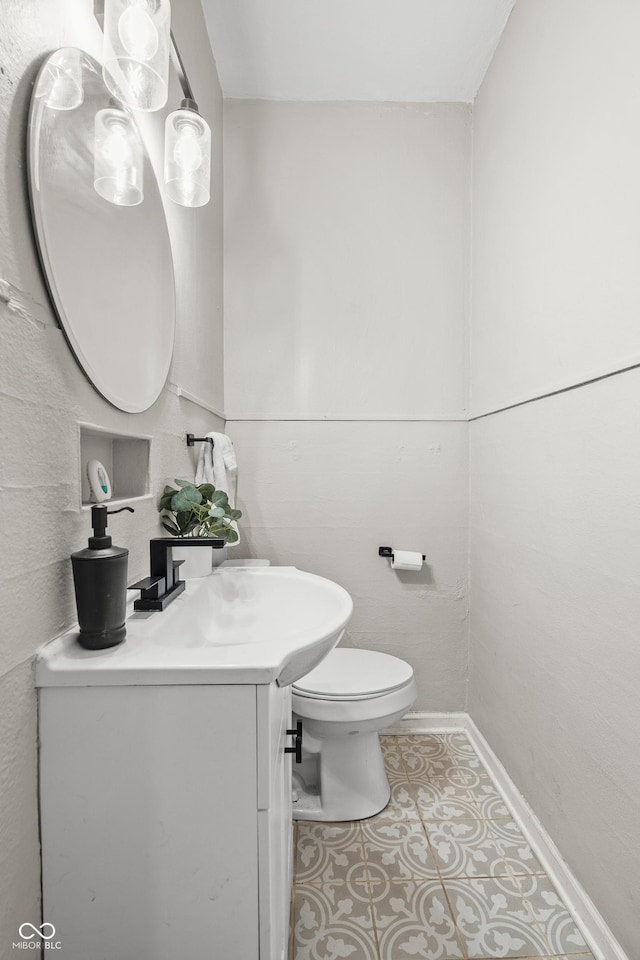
x,y
343,704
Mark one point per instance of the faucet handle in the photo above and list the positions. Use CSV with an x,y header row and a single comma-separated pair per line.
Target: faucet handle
x,y
150,588
154,594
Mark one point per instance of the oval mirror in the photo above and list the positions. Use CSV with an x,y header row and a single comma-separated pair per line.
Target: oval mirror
x,y
107,262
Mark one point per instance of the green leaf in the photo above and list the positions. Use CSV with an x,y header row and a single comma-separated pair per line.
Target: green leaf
x,y
171,527
185,499
207,490
234,514
232,536
183,519
216,512
220,498
184,483
165,499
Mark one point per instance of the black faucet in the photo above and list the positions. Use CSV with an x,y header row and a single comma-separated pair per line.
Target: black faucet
x,y
158,590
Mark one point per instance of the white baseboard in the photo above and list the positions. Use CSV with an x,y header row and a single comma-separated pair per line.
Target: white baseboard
x,y
603,944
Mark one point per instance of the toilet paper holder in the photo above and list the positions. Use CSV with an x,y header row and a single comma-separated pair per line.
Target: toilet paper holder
x,y
389,554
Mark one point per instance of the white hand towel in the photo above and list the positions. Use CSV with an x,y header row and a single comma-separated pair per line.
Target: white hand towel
x,y
217,464
204,469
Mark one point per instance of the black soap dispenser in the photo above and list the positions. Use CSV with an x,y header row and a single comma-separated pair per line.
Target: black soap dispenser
x,y
100,580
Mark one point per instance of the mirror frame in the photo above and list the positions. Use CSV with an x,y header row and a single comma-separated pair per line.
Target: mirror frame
x,y
133,382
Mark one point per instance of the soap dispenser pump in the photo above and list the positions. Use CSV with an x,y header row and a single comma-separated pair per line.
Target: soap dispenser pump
x,y
100,580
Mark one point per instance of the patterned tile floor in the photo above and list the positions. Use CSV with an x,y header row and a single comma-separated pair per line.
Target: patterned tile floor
x,y
442,872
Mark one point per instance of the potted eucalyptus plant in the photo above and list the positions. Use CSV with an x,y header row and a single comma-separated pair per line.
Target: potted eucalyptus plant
x,y
190,510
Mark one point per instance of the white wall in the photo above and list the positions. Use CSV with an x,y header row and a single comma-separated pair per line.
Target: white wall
x,y
317,496
43,395
346,262
554,510
556,241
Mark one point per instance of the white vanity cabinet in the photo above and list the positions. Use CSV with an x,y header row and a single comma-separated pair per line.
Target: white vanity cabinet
x,y
166,820
165,791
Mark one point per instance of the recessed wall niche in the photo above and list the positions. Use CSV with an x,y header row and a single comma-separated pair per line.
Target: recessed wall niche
x,y
125,458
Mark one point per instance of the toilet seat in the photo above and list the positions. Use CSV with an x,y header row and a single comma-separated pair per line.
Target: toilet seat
x,y
352,674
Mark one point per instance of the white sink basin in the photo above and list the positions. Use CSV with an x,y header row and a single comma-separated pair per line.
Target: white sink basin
x,y
240,625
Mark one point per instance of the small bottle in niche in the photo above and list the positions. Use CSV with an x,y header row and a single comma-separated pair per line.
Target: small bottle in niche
x,y
100,581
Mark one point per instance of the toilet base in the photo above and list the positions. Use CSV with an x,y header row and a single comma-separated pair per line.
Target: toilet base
x,y
344,780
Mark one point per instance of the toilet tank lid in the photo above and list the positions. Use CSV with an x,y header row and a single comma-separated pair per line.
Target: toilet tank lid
x,y
347,672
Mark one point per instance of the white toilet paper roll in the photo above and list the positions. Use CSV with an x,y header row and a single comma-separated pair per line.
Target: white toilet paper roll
x,y
406,560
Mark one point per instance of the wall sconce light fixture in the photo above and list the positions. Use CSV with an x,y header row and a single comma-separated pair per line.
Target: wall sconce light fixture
x,y
187,147
136,52
137,45
118,158
60,85
187,156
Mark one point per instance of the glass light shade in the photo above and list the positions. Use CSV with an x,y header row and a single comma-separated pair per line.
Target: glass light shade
x,y
118,158
137,39
187,157
61,85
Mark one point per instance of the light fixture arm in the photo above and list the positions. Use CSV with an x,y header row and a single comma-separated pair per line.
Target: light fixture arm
x,y
183,79
189,104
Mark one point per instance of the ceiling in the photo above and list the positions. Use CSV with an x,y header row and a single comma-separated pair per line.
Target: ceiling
x,y
394,50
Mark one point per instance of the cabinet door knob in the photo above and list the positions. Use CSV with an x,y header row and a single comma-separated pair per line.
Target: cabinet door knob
x,y
297,749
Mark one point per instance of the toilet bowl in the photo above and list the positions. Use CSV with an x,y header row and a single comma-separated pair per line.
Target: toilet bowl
x,y
343,704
